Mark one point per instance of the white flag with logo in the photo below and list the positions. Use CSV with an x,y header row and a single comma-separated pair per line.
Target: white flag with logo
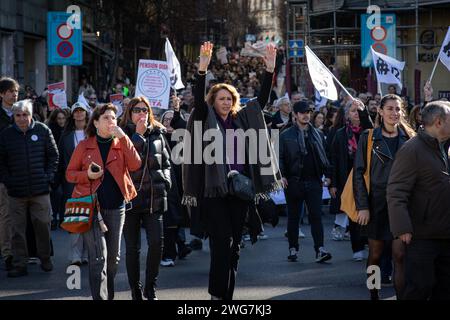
x,y
319,101
321,76
444,54
389,70
174,67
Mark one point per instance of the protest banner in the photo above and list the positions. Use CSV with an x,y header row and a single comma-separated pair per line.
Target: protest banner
x,y
57,97
153,82
117,100
387,69
221,55
321,77
444,54
257,50
174,67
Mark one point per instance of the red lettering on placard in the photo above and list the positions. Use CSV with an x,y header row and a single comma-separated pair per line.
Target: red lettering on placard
x,y
148,65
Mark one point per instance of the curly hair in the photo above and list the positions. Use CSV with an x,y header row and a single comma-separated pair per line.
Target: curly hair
x,y
211,97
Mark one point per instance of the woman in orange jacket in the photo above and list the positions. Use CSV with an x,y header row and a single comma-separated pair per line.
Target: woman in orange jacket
x,y
101,164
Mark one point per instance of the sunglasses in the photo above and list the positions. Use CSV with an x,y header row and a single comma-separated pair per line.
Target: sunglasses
x,y
138,110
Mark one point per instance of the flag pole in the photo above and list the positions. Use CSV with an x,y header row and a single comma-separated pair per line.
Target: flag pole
x,y
434,69
346,91
378,83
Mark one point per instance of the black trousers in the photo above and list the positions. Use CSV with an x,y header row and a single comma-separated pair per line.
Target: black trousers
x,y
297,193
153,225
225,218
358,241
170,243
427,273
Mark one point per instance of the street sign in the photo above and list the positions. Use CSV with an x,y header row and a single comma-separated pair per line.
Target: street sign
x,y
381,38
296,48
64,42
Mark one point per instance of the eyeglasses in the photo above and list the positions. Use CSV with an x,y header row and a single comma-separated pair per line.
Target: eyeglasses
x,y
138,110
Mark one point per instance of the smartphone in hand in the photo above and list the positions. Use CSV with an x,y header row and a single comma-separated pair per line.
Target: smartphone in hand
x,y
95,167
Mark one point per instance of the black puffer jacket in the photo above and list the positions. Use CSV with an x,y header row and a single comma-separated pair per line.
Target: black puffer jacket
x,y
152,196
28,161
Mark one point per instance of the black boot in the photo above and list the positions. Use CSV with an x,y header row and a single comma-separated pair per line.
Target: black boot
x,y
136,293
150,293
374,294
8,263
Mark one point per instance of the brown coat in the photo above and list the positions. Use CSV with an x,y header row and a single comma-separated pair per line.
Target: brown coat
x,y
418,192
122,158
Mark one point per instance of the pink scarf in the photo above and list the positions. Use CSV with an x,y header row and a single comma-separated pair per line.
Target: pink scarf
x,y
353,133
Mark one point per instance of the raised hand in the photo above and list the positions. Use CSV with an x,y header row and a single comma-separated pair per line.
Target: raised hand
x,y
205,56
270,57
358,103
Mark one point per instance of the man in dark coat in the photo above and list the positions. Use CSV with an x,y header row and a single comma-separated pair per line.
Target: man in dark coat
x,y
28,163
418,196
9,89
303,162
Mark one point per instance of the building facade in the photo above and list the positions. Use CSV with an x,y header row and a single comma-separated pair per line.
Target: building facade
x,y
332,28
267,16
23,45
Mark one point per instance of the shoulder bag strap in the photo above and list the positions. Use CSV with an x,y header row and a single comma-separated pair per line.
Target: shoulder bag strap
x,y
369,159
147,147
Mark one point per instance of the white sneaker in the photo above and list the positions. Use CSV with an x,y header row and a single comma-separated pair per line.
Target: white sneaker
x,y
358,256
337,234
347,236
33,260
263,236
246,237
167,263
301,234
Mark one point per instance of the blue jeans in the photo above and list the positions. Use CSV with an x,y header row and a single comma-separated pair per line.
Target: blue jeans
x,y
297,193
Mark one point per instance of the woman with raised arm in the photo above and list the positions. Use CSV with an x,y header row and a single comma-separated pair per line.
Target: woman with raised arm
x,y
207,183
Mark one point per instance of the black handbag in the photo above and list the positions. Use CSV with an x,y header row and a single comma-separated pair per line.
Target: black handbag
x,y
240,186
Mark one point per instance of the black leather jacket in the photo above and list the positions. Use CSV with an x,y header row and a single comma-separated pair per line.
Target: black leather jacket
x,y
291,160
380,168
156,182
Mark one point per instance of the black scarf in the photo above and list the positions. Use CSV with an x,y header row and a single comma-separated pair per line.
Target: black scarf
x,y
210,180
316,141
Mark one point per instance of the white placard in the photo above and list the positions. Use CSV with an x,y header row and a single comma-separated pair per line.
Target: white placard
x,y
153,82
